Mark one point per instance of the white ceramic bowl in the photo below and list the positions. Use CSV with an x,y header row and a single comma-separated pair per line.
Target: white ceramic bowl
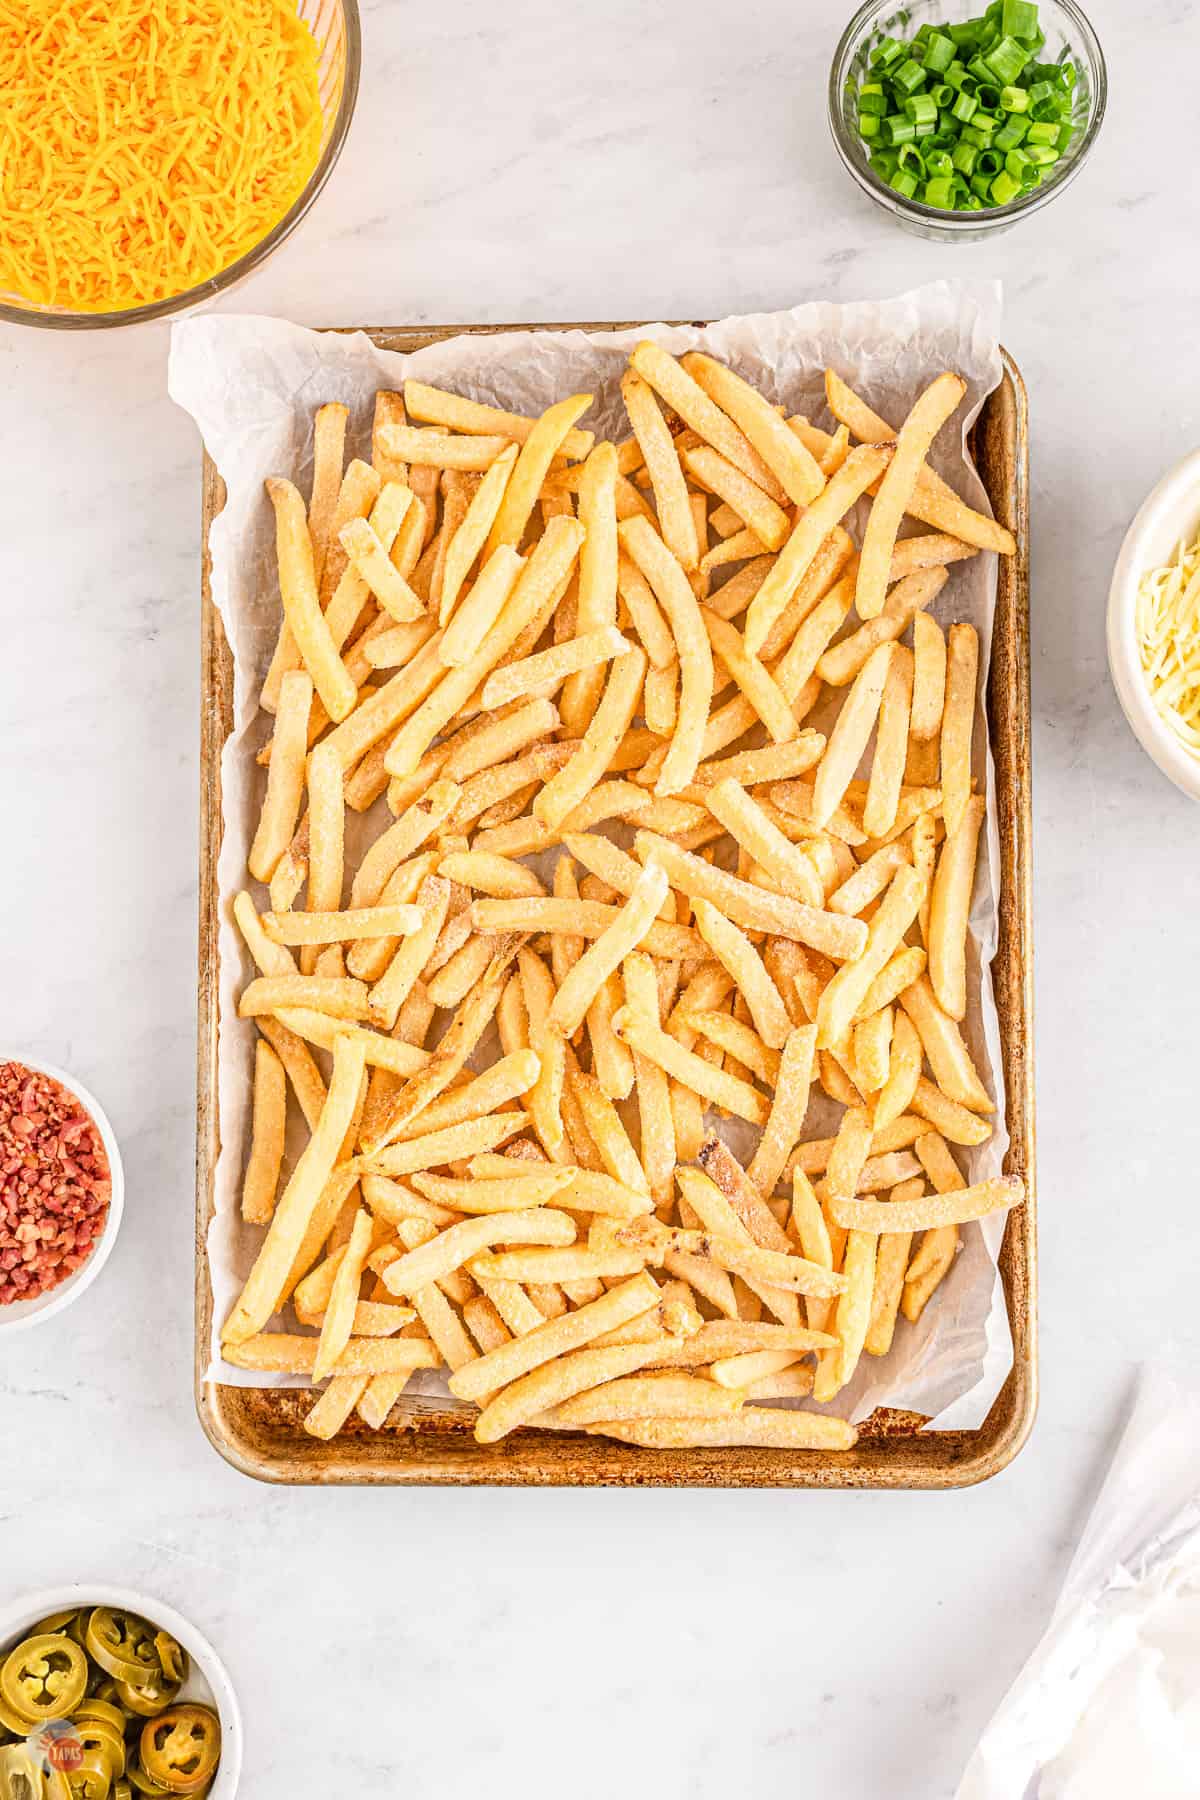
x,y
208,1679
23,1313
1171,513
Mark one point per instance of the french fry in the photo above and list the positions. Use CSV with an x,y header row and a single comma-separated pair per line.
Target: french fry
x,y
861,468
340,927
437,407
294,1209
913,441
674,595
757,833
929,677
958,723
932,501
891,1259
733,949
662,464
891,744
329,449
468,540
769,523
565,790
851,734
684,395
872,1050
794,467
943,1044
754,909
284,1353
549,668
763,1426
555,1338
403,972
440,450
606,953
852,1315
531,468
841,998
648,1397
266,1142
341,998
285,776
721,1089
546,1097
767,699
939,1247
872,1217
949,910
339,1319
479,609
904,1071
301,607
553,1383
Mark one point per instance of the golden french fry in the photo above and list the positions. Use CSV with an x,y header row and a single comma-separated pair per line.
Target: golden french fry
x,y
292,1214
764,1426
478,610
852,1315
531,468
686,397
437,407
283,1353
891,745
285,775
939,1247
931,1210
794,466
861,468
943,1044
929,677
734,950
648,1397
949,910
769,522
555,1338
441,450
547,669
768,700
904,1071
471,535
662,464
266,1138
958,722
340,997
932,500
913,441
842,997
301,606
722,1089
340,927
673,592
565,790
851,734
604,956
761,838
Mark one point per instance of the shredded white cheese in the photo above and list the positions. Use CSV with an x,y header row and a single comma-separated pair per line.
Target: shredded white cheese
x,y
1168,629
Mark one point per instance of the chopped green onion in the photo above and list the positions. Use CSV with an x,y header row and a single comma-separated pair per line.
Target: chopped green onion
x,y
939,52
909,76
968,115
1010,135
1019,19
939,193
1006,60
921,109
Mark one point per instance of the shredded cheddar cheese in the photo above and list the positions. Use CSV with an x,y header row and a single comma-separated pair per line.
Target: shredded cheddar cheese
x,y
1168,629
147,144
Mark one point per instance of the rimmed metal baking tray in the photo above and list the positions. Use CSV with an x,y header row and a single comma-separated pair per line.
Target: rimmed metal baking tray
x,y
260,1431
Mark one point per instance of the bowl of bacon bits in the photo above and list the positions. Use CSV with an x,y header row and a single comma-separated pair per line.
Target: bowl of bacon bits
x,y
61,1190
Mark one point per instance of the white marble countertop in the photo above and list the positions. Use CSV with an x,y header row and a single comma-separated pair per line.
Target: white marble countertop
x,y
564,162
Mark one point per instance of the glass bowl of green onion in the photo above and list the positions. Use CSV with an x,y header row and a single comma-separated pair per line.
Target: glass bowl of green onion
x,y
961,122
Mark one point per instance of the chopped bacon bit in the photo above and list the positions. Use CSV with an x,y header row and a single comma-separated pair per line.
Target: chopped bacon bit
x,y
55,1183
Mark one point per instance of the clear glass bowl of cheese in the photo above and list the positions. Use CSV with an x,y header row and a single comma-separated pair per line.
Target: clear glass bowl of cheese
x,y
57,179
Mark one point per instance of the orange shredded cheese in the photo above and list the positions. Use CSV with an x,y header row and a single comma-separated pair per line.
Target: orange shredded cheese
x,y
145,145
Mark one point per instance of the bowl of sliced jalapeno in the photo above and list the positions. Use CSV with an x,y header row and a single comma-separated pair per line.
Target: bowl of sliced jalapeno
x,y
109,1695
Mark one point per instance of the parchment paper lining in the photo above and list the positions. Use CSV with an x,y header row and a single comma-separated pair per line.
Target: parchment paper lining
x,y
252,385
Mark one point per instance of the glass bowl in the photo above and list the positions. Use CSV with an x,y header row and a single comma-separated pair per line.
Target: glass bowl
x,y
335,27
1066,29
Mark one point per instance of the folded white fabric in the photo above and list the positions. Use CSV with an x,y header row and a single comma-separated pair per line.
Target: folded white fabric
x,y
1108,1705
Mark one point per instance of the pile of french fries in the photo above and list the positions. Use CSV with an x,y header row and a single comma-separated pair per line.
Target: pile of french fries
x,y
620,888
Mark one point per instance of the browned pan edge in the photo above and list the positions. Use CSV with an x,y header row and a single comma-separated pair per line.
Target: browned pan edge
x,y
260,1430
